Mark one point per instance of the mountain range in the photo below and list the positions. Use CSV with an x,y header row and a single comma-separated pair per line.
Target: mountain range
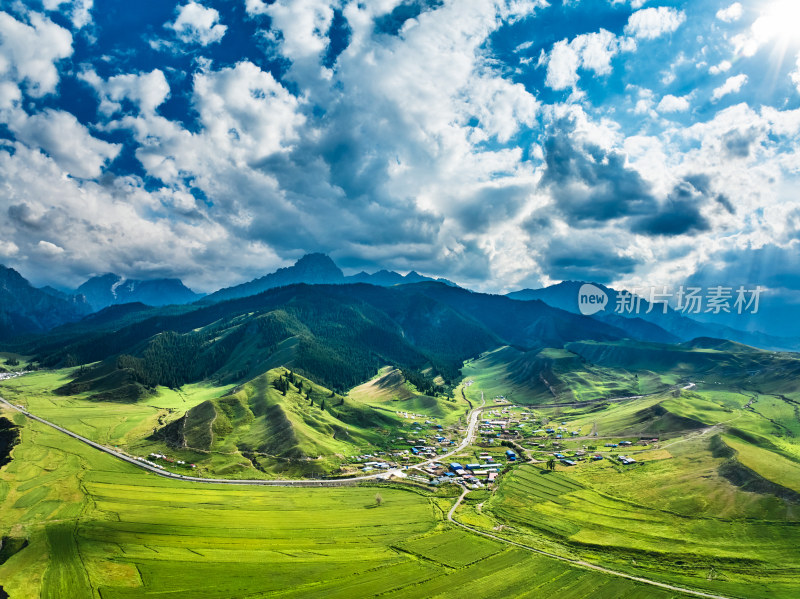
x,y
338,335
679,327
110,289
316,269
28,310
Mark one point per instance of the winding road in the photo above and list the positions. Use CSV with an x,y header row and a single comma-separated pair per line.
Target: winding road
x,y
468,438
472,424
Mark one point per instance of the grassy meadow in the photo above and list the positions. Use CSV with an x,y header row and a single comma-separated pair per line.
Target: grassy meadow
x,y
712,504
554,376
250,431
389,390
102,529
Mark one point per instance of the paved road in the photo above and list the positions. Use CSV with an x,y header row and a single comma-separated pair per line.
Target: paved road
x,y
574,562
473,417
472,420
470,435
472,427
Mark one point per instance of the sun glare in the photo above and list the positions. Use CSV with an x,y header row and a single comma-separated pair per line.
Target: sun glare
x,y
780,21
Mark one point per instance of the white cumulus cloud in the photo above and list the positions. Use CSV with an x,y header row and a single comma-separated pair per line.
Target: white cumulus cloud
x,y
147,90
590,51
670,103
80,11
66,140
197,24
722,67
730,14
650,23
732,85
795,75
28,52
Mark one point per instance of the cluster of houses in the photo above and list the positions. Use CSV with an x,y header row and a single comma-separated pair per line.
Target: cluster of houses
x,y
558,432
579,455
475,475
161,456
412,416
501,424
378,461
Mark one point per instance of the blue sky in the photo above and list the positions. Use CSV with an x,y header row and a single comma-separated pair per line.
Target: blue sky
x,y
498,143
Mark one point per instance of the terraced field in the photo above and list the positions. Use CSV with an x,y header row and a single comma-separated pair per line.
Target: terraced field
x,y
699,550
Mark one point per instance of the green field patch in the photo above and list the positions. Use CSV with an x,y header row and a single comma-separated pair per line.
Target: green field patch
x,y
65,575
454,548
587,519
32,497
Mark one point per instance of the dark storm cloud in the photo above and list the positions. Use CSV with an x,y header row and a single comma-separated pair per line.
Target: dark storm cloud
x,y
22,216
723,201
585,259
589,183
678,215
490,205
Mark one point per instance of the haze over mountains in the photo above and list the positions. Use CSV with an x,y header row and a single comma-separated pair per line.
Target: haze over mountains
x,y
564,295
28,310
110,289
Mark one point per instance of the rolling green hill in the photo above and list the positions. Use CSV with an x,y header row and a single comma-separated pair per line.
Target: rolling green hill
x,y
390,390
338,335
259,427
555,375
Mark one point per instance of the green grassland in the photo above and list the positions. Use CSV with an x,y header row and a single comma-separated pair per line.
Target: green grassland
x,y
639,525
108,422
251,431
258,431
713,504
554,376
100,528
389,390
12,362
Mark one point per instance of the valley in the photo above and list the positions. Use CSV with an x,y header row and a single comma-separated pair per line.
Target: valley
x,y
408,440
714,465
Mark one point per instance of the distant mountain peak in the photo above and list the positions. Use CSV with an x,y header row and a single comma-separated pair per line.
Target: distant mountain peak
x,y
109,289
26,309
318,269
317,263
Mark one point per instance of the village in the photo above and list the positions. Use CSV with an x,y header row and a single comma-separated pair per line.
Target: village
x,y
506,434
